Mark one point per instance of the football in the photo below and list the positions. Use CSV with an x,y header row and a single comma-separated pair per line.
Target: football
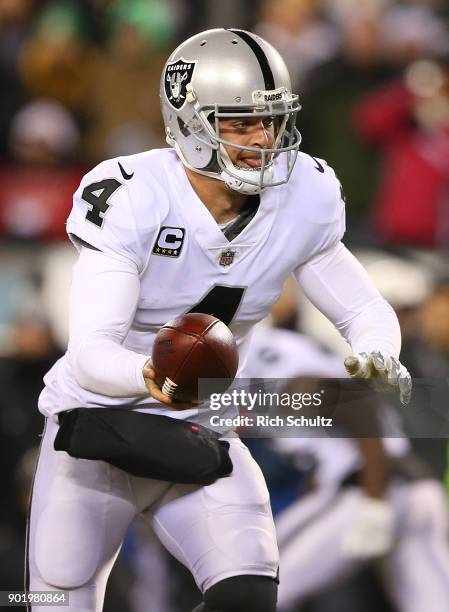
x,y
191,348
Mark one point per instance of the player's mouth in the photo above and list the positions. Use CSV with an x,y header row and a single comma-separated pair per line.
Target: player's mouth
x,y
250,162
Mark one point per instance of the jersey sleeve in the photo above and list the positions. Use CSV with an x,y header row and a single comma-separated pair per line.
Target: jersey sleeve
x,y
99,360
321,205
331,215
337,284
114,215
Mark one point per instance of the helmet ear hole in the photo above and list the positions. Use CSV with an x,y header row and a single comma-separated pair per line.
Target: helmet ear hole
x,y
183,127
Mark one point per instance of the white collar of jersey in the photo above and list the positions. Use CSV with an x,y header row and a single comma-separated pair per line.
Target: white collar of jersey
x,y
206,230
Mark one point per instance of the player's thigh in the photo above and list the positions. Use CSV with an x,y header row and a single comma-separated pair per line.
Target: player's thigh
x,y
311,550
305,510
80,511
224,529
417,570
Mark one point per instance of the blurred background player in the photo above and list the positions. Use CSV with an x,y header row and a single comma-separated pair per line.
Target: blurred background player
x,y
361,501
405,533
350,512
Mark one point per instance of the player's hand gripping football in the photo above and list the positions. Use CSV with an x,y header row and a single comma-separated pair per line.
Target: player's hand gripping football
x,y
384,367
155,391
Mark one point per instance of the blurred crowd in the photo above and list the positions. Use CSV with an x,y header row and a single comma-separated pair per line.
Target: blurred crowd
x,y
80,83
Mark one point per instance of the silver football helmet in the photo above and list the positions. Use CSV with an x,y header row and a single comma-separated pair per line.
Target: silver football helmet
x,y
222,74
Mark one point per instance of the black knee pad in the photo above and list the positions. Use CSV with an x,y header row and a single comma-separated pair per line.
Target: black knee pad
x,y
241,594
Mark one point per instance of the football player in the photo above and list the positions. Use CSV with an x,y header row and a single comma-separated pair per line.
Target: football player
x,y
362,505
212,224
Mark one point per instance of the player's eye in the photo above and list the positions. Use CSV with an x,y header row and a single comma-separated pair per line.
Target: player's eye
x,y
268,122
241,124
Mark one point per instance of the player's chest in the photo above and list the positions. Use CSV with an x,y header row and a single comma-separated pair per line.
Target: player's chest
x,y
237,281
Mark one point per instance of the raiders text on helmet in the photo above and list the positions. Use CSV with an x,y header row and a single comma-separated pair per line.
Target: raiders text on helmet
x,y
221,74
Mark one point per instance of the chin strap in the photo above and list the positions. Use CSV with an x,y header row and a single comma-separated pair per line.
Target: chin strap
x,y
233,181
241,185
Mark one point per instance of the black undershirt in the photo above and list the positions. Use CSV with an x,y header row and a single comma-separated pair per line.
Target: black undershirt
x,y
248,212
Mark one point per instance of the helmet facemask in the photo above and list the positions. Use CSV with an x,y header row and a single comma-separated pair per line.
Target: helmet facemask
x,y
204,126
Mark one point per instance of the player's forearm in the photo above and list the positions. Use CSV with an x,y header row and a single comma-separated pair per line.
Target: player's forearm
x,y
374,328
374,471
103,301
102,366
340,288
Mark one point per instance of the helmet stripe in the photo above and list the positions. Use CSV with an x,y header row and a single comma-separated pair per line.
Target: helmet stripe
x,y
261,57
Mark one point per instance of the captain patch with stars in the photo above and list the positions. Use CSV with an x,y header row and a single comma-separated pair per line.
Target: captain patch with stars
x,y
169,241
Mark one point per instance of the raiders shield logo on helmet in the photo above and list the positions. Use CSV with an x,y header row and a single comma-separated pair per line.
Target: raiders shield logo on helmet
x,y
177,76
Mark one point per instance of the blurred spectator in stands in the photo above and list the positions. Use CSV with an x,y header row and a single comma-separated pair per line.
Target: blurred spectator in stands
x,y
122,107
397,31
201,15
372,53
425,352
422,306
411,29
297,30
15,23
403,283
409,121
13,516
58,59
32,350
427,347
325,120
43,133
36,192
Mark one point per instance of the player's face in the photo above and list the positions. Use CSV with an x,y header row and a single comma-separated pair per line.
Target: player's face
x,y
251,132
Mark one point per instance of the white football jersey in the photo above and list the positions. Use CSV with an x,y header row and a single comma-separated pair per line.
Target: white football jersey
x,y
281,354
144,208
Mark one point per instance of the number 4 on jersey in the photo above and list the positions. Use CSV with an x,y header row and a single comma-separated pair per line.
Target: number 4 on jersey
x,y
97,195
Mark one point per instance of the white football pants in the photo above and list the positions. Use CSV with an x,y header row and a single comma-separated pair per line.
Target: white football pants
x,y
81,510
416,571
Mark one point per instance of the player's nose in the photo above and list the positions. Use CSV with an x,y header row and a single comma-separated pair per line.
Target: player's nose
x,y
260,136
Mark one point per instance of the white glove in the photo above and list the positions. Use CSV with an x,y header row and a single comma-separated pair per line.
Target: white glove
x,y
371,532
380,365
